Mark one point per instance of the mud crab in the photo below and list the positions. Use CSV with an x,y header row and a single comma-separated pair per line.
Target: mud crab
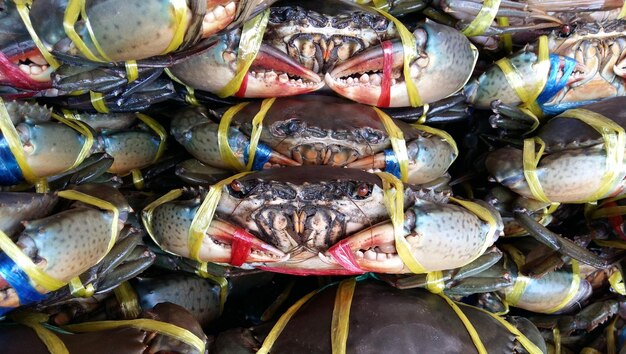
x,y
576,159
148,334
42,235
309,45
316,130
320,220
583,67
132,145
429,321
106,31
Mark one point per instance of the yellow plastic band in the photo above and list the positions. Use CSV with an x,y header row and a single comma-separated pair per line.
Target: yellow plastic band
x,y
622,12
97,101
128,301
483,19
34,320
146,216
535,118
268,314
220,281
588,350
530,347
480,347
422,118
137,178
202,220
483,214
573,290
92,36
158,129
398,144
611,344
513,295
517,82
36,275
226,152
101,204
81,128
530,163
22,9
556,338
132,73
341,316
190,96
410,53
257,127
607,212
15,145
394,201
249,44
282,322
507,39
617,283
611,243
143,324
614,144
434,282
442,134
180,21
77,289
379,4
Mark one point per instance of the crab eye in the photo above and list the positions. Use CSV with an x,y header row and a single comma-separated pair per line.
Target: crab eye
x,y
236,186
362,191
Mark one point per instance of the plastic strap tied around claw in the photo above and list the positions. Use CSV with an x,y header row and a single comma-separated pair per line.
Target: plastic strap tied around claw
x,y
76,9
22,8
34,321
254,147
204,215
398,144
143,324
410,54
160,131
222,282
190,97
37,276
249,44
517,82
554,84
98,102
513,295
483,19
614,145
440,133
129,303
379,4
617,283
507,39
483,214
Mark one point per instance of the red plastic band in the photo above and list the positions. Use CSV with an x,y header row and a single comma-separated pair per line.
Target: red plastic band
x,y
616,222
242,243
385,86
301,272
343,255
243,87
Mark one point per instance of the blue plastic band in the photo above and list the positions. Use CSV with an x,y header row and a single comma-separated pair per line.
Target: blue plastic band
x,y
19,281
10,172
261,156
552,85
556,109
391,163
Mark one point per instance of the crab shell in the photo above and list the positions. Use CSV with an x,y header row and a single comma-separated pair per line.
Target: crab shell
x,y
298,220
572,169
123,340
64,244
316,130
383,319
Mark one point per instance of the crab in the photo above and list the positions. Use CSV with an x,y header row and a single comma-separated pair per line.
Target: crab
x,y
321,220
316,130
356,52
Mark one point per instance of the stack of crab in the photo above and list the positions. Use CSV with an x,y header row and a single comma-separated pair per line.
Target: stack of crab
x,y
193,176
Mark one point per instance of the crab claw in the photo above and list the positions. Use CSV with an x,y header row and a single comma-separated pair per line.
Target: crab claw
x,y
272,74
445,61
235,245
